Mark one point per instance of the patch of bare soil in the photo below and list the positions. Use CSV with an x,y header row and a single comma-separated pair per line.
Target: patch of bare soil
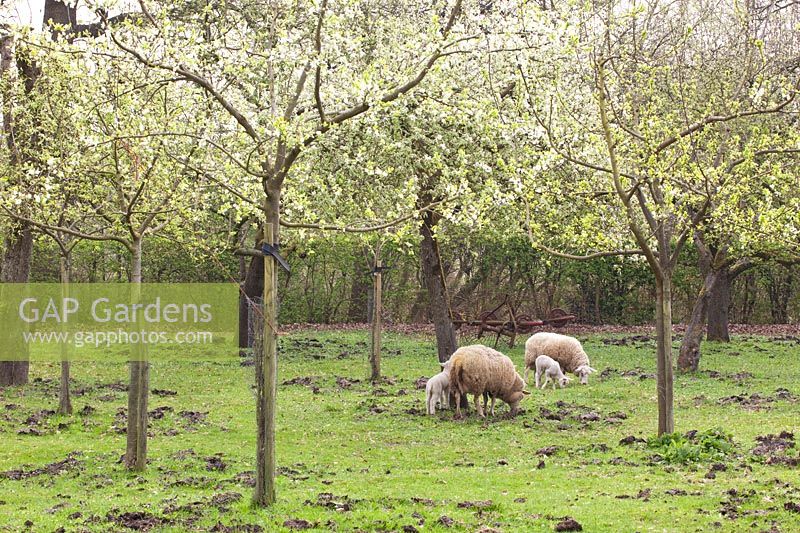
x,y
481,504
756,401
52,469
569,524
330,501
215,463
773,449
306,381
730,507
136,520
297,524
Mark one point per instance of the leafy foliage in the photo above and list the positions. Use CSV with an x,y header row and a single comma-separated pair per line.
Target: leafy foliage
x,y
693,447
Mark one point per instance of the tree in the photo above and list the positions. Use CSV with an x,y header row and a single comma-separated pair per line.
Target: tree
x,y
116,177
230,50
657,109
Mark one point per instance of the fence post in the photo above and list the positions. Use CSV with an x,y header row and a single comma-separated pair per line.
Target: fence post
x,y
266,367
375,355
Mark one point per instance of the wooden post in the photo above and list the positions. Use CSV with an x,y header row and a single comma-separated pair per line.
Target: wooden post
x,y
266,366
64,401
375,355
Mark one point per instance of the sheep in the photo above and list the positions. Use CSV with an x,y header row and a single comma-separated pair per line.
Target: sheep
x,y
551,370
566,350
438,390
478,369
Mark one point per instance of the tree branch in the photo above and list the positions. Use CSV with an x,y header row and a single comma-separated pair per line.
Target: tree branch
x,y
714,119
367,229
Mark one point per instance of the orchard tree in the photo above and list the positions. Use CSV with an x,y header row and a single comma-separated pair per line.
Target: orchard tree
x,y
284,77
118,179
636,102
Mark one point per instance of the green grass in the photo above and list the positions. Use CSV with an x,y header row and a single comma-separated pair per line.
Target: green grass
x,y
389,466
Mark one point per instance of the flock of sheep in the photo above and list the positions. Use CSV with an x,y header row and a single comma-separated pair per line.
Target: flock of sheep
x,y
487,373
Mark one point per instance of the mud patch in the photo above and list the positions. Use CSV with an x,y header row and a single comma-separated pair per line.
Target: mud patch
x,y
137,520
52,469
480,504
331,501
305,381
772,449
569,524
215,463
297,524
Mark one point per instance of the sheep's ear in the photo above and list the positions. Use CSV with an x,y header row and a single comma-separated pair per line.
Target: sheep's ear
x,y
442,365
591,370
526,392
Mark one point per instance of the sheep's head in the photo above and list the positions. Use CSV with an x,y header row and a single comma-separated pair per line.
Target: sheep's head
x,y
583,372
563,381
515,394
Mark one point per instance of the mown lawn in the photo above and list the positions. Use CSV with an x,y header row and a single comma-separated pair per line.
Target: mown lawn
x,y
354,456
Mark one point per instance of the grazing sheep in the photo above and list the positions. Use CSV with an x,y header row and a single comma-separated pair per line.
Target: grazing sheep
x,y
551,370
478,369
566,350
438,390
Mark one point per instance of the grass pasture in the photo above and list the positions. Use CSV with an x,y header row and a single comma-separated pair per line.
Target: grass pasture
x,y
358,457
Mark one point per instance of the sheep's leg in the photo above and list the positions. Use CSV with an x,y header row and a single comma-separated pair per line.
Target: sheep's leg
x,y
537,377
492,405
457,397
546,380
431,401
527,368
446,398
478,406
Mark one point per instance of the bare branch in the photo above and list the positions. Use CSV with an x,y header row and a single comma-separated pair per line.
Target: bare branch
x,y
366,229
318,74
69,231
714,119
197,80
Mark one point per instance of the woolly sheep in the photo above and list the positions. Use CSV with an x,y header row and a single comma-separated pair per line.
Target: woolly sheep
x,y
477,369
566,350
551,370
438,390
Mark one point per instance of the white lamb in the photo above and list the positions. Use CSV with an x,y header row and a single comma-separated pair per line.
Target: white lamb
x,y
438,390
551,370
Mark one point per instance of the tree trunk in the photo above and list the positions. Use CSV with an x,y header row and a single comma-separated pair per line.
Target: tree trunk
x,y
16,269
139,382
437,291
749,298
779,285
359,293
666,421
689,356
64,400
16,265
375,352
719,301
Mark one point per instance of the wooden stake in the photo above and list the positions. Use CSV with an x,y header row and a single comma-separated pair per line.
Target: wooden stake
x,y
375,356
266,366
64,401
